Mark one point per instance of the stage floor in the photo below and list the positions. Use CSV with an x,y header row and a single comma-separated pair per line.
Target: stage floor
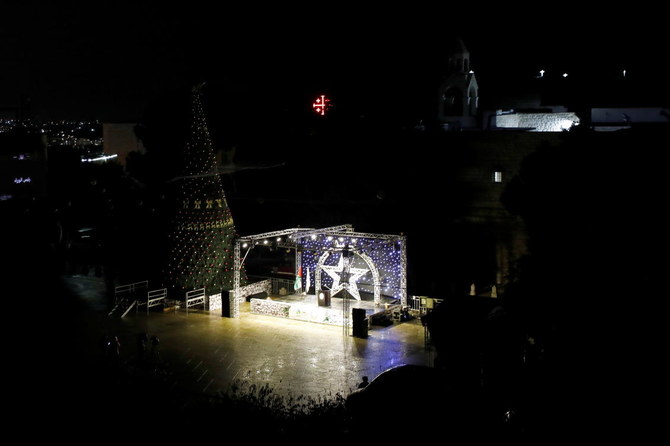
x,y
305,307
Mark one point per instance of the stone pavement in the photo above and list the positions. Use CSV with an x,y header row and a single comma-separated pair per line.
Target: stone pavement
x,y
206,353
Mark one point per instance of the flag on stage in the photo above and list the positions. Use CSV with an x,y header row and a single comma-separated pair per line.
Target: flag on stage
x,y
298,279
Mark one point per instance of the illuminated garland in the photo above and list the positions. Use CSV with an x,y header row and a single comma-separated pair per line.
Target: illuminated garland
x,y
378,261
385,254
202,239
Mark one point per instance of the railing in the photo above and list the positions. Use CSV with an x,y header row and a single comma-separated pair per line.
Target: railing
x,y
284,284
276,285
130,307
128,290
195,297
154,298
125,297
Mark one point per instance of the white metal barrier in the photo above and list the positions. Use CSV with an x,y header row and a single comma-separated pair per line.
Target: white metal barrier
x,y
196,297
124,291
125,297
154,298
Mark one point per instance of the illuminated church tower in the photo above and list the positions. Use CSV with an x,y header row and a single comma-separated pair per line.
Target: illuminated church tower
x,y
459,93
203,234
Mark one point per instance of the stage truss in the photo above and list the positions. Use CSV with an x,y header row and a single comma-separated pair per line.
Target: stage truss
x,y
338,258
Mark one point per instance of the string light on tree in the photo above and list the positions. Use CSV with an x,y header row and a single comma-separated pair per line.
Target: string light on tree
x,y
203,234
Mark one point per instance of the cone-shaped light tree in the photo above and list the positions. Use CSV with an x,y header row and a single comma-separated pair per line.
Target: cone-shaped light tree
x,y
202,236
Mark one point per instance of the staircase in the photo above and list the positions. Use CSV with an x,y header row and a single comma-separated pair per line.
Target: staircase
x,y
125,297
122,307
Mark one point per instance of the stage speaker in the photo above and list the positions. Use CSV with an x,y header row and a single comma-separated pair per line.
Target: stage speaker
x,y
324,298
360,327
225,304
357,314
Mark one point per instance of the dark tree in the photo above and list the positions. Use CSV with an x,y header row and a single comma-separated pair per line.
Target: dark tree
x,y
589,289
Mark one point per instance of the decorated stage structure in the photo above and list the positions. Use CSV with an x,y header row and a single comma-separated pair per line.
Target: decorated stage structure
x,y
338,272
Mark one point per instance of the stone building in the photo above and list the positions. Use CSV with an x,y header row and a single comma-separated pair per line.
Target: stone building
x,y
459,92
494,135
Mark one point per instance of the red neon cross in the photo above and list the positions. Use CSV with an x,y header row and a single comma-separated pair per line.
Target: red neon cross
x,y
319,105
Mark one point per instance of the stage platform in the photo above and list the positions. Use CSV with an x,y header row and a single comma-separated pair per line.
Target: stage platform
x,y
305,307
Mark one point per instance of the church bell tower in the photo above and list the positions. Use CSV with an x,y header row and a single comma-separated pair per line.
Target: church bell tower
x,y
458,96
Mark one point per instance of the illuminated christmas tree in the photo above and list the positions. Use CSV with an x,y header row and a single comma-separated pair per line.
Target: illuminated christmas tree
x,y
202,238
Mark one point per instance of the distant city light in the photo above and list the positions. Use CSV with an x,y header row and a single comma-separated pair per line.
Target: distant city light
x,y
99,158
565,74
542,73
624,73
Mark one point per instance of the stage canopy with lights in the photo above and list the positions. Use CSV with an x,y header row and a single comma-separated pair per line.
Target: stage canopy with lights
x,y
337,259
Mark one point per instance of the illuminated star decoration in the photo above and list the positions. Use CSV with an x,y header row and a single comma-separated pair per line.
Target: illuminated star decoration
x,y
335,271
320,105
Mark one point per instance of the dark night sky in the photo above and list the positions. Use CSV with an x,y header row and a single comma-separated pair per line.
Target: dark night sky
x,y
110,60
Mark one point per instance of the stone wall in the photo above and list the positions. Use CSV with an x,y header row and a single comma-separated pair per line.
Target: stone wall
x,y
215,302
270,308
264,286
537,122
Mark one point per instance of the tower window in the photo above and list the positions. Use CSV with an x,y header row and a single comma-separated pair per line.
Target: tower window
x,y
497,176
453,102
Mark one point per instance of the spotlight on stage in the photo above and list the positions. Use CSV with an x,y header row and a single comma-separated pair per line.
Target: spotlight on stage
x,y
324,298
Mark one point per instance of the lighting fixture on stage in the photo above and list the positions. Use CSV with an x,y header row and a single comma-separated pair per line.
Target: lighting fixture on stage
x,y
313,236
265,242
279,239
244,245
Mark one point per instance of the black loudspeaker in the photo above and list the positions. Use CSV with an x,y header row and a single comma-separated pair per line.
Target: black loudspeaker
x,y
357,314
360,322
360,328
225,304
324,298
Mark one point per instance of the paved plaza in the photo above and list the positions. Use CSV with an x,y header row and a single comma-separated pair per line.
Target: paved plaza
x,y
206,353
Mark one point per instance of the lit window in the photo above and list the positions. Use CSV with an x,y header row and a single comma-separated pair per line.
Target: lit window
x,y
497,176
